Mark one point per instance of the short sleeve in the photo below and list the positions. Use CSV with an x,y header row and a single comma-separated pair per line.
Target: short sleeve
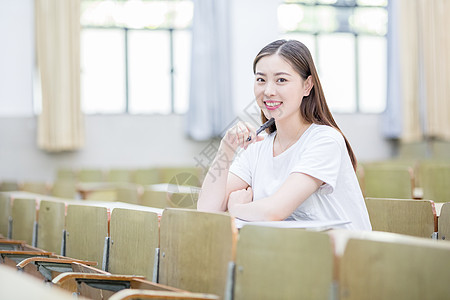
x,y
241,165
321,159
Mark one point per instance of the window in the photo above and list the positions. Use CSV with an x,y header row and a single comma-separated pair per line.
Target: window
x,y
135,56
347,39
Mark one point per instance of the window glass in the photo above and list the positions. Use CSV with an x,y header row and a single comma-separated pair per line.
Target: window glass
x,y
102,71
372,76
149,72
338,81
182,68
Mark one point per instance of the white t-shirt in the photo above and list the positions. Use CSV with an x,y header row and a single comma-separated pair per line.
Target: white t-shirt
x,y
321,153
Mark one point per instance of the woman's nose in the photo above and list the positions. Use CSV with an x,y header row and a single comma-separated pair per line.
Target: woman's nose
x,y
269,89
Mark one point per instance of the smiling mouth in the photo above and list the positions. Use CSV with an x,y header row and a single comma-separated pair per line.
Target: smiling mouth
x,y
271,105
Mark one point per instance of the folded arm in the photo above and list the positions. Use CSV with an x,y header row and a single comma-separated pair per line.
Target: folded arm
x,y
294,191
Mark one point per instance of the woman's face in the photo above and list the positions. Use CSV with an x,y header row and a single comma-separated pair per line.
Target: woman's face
x,y
278,88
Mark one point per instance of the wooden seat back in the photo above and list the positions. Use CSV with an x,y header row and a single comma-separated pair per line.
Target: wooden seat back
x,y
283,263
23,219
405,216
86,230
5,213
181,175
435,178
388,181
51,222
37,187
134,239
158,199
146,176
66,188
394,267
444,222
195,250
90,175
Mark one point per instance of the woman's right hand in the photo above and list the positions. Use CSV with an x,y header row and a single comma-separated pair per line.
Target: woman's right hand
x,y
237,136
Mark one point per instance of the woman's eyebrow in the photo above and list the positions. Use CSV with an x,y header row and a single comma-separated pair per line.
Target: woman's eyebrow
x,y
276,74
282,73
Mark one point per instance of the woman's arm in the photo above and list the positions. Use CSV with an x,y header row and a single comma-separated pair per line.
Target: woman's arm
x,y
294,191
219,182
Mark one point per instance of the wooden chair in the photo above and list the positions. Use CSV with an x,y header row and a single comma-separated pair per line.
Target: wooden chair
x,y
20,286
51,222
103,286
413,150
86,230
410,217
119,175
133,294
5,213
13,257
170,198
388,181
158,199
283,263
393,266
24,219
37,187
66,174
64,188
14,245
195,250
435,180
90,175
47,268
129,193
146,176
444,222
440,150
134,240
181,175
9,186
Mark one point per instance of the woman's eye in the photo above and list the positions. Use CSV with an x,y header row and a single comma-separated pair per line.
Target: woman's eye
x,y
259,79
281,80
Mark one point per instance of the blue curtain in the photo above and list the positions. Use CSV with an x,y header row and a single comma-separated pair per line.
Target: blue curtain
x,y
210,104
393,117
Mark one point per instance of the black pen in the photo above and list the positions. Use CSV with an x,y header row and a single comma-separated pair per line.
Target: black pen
x,y
263,126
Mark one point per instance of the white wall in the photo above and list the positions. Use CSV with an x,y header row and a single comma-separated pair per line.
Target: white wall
x,y
16,57
135,141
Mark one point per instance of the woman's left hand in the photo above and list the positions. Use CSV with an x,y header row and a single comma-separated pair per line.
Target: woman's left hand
x,y
238,197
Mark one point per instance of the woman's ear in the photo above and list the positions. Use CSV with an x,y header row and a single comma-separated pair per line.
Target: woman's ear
x,y
308,85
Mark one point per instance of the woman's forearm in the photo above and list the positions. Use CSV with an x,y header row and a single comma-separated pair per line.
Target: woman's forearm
x,y
213,196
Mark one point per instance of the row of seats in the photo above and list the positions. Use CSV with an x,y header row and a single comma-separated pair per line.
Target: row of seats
x,y
421,218
206,253
406,179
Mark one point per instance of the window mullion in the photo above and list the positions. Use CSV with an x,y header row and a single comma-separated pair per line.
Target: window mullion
x,y
357,92
127,91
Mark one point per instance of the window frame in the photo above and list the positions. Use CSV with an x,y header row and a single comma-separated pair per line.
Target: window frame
x,y
316,33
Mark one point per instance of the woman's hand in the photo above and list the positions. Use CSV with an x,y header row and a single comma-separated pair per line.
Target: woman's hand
x,y
239,197
238,135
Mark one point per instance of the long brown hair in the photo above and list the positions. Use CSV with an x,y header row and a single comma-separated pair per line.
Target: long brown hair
x,y
313,108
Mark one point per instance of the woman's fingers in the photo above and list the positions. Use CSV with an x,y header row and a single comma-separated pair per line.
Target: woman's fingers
x,y
241,135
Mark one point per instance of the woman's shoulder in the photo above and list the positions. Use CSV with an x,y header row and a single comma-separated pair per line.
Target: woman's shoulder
x,y
326,132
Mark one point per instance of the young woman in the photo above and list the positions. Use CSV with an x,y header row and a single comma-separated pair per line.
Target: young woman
x,y
304,169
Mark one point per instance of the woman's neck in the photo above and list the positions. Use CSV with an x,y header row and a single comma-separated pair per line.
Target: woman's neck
x,y
292,130
288,133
